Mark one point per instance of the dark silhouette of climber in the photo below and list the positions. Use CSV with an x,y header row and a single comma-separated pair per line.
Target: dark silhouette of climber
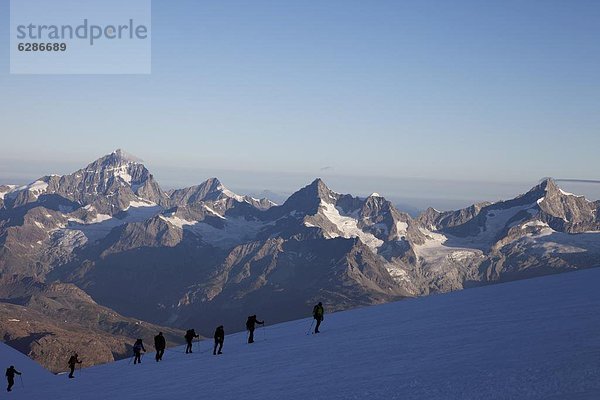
x,y
159,344
137,351
250,325
189,336
219,339
74,360
10,377
318,312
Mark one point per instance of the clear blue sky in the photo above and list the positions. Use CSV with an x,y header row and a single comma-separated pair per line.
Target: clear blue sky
x,y
270,94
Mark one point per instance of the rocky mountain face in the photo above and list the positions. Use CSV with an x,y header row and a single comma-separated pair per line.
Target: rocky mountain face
x,y
48,322
203,256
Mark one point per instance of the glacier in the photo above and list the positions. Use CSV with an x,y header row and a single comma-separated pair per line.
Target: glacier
x,y
530,339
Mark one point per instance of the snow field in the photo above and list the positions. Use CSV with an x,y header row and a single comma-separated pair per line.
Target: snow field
x,y
531,339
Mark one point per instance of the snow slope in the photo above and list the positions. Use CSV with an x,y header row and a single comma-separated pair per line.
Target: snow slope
x,y
347,226
33,373
531,339
100,226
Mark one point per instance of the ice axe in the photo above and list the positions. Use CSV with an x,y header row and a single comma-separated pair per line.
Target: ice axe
x,y
310,329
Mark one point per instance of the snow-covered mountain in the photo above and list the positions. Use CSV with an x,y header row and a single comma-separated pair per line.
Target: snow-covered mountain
x,y
533,339
188,256
105,186
213,191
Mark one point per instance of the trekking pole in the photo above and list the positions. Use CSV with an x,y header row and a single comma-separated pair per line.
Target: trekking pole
x,y
22,385
310,329
264,332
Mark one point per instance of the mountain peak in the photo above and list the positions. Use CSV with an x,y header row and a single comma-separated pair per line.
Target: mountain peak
x,y
538,192
310,197
548,184
320,189
122,155
210,190
212,184
116,159
120,164
548,187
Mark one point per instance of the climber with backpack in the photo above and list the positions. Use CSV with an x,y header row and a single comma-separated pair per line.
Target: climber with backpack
x,y
137,351
250,325
74,360
219,339
10,377
159,344
318,313
190,334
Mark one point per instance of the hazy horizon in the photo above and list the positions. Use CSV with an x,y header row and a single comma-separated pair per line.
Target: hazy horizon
x,y
409,193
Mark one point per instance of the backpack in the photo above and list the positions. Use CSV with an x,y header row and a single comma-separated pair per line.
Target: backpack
x,y
137,347
318,311
219,333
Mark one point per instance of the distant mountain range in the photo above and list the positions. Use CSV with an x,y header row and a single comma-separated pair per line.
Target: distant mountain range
x,y
203,255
